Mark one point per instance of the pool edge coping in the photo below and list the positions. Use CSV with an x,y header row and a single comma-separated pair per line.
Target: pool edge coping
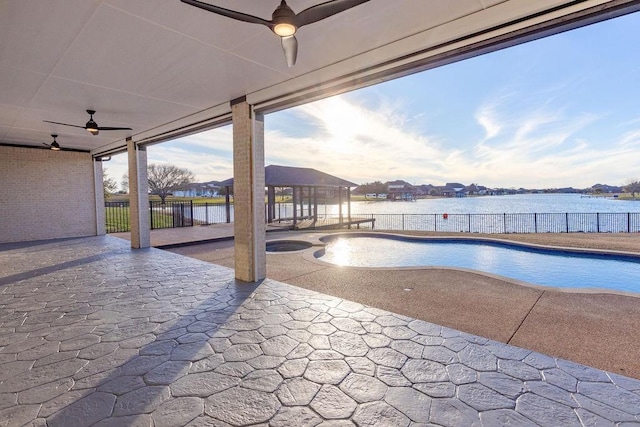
x,y
310,255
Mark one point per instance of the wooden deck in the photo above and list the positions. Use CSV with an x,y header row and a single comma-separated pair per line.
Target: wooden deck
x,y
331,223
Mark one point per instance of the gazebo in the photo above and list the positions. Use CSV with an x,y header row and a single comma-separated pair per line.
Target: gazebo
x,y
306,185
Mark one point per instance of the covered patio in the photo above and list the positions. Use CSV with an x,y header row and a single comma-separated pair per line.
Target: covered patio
x,y
94,334
172,71
95,331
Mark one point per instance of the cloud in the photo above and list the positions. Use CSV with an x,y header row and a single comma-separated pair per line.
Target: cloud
x,y
630,139
557,157
355,143
485,117
209,155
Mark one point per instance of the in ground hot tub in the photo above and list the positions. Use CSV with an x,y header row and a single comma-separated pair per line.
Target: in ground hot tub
x,y
287,245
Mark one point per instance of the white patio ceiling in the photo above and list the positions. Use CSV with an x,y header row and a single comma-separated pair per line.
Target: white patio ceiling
x,y
165,68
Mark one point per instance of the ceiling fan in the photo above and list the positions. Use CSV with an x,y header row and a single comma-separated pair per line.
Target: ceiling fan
x,y
90,126
54,145
284,22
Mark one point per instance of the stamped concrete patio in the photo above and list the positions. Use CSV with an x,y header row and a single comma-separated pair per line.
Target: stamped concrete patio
x,y
93,333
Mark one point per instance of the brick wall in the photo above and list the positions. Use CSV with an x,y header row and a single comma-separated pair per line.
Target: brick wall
x,y
45,194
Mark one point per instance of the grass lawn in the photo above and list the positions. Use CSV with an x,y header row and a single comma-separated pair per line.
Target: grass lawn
x,y
118,219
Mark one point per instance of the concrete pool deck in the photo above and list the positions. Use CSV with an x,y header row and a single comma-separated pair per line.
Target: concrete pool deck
x,y
596,329
93,333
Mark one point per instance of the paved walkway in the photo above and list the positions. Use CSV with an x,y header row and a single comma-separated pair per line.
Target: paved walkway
x,y
92,333
172,237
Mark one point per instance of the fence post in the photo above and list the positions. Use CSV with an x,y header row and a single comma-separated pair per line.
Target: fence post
x,y
435,222
535,222
504,223
402,222
150,213
469,216
628,222
598,221
566,215
206,213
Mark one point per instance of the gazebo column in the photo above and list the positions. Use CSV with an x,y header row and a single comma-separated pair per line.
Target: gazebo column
x,y
349,205
271,204
227,203
315,205
301,190
248,192
294,203
309,201
340,221
138,196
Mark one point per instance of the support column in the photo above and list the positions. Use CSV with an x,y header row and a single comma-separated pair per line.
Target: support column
x,y
98,177
340,218
349,206
271,204
248,192
227,203
294,203
315,205
138,196
301,189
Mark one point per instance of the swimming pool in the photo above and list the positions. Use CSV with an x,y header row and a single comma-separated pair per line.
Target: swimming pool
x,y
548,267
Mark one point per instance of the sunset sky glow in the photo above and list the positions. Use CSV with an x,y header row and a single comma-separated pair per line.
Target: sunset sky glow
x,y
560,111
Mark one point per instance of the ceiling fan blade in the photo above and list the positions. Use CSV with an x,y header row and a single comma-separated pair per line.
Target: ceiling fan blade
x,y
290,47
324,10
228,13
64,124
46,145
112,128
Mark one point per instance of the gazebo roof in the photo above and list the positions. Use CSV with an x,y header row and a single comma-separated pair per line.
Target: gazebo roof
x,y
288,176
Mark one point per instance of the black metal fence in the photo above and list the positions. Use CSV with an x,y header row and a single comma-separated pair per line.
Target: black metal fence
x,y
506,222
117,217
190,213
168,215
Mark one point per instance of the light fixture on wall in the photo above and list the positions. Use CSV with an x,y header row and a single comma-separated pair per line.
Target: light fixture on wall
x,y
54,145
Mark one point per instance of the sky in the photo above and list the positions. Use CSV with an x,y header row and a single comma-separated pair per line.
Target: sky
x,y
557,112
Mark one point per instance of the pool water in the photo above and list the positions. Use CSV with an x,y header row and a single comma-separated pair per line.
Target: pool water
x,y
557,268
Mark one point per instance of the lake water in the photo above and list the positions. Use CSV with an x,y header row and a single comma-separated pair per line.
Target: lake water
x,y
517,203
455,208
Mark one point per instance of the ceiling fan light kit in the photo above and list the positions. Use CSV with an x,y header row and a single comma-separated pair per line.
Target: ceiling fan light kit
x,y
54,145
284,29
284,21
91,126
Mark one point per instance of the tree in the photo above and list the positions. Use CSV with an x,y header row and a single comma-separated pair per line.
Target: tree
x,y
376,187
164,179
632,186
124,184
109,185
